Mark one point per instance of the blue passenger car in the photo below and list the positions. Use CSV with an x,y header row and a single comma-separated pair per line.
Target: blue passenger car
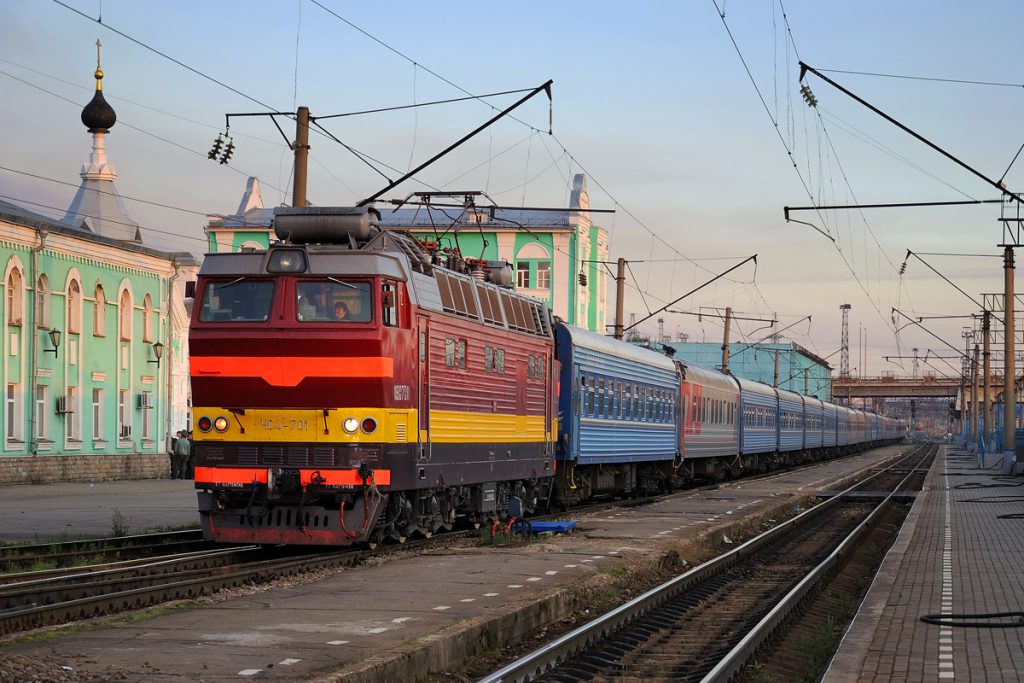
x,y
843,426
791,421
814,423
617,402
830,419
759,405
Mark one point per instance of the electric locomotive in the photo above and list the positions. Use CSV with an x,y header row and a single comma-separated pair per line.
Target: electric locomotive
x,y
350,385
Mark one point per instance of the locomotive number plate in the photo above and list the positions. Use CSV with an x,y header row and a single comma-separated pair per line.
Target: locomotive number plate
x,y
284,424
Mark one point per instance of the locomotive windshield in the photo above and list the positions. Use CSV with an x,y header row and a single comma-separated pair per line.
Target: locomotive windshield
x,y
333,300
238,300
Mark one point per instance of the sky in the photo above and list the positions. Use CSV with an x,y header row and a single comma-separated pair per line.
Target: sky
x,y
688,124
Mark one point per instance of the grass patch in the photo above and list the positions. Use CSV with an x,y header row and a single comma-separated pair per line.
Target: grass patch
x,y
755,673
819,648
120,524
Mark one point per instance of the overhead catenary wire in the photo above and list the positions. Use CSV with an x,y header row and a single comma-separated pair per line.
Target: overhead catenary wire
x,y
174,235
135,128
554,137
227,86
787,149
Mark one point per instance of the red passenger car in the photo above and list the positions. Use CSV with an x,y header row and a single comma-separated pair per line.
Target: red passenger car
x,y
349,387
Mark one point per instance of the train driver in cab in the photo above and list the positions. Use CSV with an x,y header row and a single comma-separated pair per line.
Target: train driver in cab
x,y
340,311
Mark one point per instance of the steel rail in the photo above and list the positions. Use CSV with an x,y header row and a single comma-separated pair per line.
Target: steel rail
x,y
562,648
63,553
7,580
119,572
25,618
738,657
11,551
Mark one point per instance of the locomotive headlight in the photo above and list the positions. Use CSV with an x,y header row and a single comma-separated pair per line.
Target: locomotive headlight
x,y
221,424
369,425
205,424
350,425
287,261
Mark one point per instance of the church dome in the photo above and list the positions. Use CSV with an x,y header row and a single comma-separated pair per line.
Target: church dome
x,y
98,116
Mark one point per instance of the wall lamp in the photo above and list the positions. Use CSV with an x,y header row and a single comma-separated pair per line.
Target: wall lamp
x,y
54,335
158,351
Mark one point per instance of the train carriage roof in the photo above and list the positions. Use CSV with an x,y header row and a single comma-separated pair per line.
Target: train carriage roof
x,y
707,377
790,397
814,403
610,346
750,387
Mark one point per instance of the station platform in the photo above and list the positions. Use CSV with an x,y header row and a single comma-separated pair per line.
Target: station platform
x,y
38,513
960,551
403,614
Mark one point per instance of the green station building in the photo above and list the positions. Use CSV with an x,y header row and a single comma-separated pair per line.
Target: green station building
x,y
95,334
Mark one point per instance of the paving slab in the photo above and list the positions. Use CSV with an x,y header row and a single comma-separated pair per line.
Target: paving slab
x,y
375,622
957,553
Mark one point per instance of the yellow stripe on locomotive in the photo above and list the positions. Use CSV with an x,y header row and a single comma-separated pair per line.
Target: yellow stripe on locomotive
x,y
365,425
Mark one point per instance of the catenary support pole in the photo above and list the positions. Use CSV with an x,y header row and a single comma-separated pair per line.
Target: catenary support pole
x,y
725,341
301,156
975,396
620,292
986,396
1010,372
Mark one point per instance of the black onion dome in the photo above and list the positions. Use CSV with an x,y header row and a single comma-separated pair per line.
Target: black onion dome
x,y
98,116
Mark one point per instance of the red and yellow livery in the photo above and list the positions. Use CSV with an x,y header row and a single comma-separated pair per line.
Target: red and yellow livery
x,y
348,386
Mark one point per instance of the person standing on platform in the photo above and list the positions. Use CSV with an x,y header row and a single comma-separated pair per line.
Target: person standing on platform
x,y
181,453
190,469
170,453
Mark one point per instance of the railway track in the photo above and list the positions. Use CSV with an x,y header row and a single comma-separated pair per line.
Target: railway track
x,y
126,575
32,602
63,554
709,623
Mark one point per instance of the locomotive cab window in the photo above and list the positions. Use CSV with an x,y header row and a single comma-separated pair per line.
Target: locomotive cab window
x,y
237,300
389,304
333,300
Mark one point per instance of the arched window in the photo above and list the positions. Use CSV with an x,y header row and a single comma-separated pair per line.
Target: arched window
x,y
99,313
74,307
147,318
125,315
15,298
43,302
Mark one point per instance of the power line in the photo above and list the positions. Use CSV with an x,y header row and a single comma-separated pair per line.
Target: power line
x,y
925,78
118,98
165,55
389,47
130,126
112,194
174,235
593,178
789,152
